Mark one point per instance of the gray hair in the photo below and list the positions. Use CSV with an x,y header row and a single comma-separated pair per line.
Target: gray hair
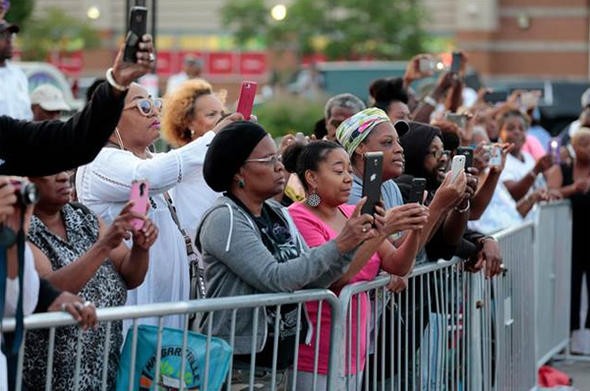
x,y
345,100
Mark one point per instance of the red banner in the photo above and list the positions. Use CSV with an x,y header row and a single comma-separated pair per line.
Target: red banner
x,y
253,63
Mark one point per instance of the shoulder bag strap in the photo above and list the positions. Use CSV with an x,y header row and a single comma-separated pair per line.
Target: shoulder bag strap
x,y
197,270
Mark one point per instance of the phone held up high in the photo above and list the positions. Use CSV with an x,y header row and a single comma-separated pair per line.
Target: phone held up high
x,y
246,99
417,190
456,60
140,196
554,147
468,153
372,180
137,29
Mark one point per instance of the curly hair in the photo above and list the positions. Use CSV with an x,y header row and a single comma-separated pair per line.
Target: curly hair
x,y
179,110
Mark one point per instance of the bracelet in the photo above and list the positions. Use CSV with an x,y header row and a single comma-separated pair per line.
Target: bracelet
x,y
111,80
429,100
465,209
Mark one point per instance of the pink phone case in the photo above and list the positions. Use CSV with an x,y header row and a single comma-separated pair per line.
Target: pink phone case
x,y
140,196
246,99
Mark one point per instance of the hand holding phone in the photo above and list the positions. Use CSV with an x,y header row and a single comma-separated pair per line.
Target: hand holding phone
x,y
459,119
140,196
456,62
417,191
137,29
372,180
246,99
457,166
468,153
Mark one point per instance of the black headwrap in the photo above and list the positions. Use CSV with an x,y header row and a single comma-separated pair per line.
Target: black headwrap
x,y
416,143
228,151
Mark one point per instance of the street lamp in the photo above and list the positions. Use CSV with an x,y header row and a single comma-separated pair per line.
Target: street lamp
x,y
93,12
278,12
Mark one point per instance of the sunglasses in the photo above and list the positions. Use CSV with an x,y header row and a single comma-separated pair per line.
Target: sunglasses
x,y
146,106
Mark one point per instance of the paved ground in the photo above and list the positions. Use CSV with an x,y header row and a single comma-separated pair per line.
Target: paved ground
x,y
578,370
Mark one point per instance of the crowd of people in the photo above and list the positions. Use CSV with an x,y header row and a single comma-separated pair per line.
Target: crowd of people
x,y
264,216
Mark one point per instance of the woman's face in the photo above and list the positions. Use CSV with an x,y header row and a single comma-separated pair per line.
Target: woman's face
x,y
513,131
207,112
139,124
333,179
398,110
384,139
264,179
435,162
54,190
582,148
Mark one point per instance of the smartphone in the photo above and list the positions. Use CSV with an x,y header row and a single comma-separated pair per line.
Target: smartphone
x,y
457,165
140,196
246,99
494,97
426,65
372,180
459,119
137,29
456,60
468,153
554,149
495,152
417,191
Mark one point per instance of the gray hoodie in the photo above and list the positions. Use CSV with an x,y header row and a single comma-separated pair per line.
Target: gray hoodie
x,y
238,263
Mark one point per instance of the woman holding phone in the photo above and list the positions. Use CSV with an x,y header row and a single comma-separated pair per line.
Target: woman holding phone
x,y
77,252
325,171
250,245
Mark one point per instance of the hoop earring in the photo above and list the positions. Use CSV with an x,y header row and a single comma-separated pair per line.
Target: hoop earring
x,y
119,139
313,200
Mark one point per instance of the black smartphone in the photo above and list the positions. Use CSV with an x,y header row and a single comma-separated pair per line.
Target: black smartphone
x,y
417,191
468,153
456,62
137,29
372,180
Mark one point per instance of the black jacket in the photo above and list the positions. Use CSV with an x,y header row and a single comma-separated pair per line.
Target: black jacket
x,y
48,147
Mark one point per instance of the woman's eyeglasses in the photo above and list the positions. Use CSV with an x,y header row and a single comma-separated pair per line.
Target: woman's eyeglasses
x,y
437,154
146,106
271,160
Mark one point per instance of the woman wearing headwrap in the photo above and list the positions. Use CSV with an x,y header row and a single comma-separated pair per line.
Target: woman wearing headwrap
x,y
250,244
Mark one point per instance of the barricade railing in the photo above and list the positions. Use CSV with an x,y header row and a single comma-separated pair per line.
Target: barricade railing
x,y
414,338
553,264
449,330
509,324
53,321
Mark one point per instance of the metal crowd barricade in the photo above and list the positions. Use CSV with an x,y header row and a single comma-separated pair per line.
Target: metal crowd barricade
x,y
553,249
509,324
414,339
53,321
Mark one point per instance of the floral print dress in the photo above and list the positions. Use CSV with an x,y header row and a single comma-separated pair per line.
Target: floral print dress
x,y
105,289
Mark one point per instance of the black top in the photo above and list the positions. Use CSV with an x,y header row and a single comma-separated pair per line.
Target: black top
x,y
48,147
580,213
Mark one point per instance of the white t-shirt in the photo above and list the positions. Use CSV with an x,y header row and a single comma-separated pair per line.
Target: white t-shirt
x,y
515,170
30,297
14,93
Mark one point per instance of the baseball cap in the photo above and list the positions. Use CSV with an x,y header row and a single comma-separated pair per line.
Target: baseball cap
x,y
49,97
5,26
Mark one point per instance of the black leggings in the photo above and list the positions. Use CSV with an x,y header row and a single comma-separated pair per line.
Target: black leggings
x,y
580,267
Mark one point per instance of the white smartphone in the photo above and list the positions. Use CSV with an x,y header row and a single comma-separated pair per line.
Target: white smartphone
x,y
457,166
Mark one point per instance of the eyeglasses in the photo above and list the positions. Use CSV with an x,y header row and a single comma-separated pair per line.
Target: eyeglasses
x,y
437,154
146,106
271,160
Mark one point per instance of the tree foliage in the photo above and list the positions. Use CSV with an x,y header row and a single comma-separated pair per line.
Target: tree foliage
x,y
20,11
56,31
341,29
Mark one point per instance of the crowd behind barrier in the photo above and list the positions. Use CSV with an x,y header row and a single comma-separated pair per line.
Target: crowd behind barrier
x,y
467,333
